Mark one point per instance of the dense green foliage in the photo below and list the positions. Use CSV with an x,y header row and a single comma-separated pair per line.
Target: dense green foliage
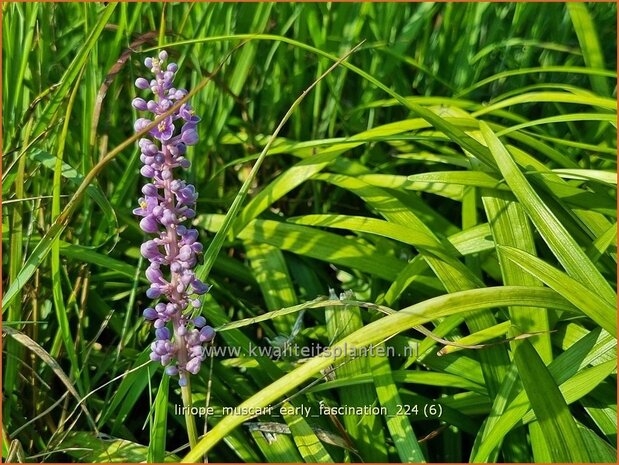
x,y
447,193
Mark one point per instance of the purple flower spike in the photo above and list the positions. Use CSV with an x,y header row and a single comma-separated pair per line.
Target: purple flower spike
x,y
166,202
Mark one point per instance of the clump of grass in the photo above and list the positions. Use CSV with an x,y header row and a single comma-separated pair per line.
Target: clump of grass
x,y
454,179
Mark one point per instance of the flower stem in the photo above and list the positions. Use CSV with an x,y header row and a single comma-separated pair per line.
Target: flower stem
x,y
190,420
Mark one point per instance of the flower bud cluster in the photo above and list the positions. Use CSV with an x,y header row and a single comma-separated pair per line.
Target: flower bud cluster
x,y
166,203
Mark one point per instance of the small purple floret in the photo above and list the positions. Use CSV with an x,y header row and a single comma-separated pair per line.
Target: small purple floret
x,y
207,334
167,202
141,83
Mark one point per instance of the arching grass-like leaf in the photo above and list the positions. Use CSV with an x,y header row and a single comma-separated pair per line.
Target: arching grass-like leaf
x,y
565,248
581,296
564,440
377,331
